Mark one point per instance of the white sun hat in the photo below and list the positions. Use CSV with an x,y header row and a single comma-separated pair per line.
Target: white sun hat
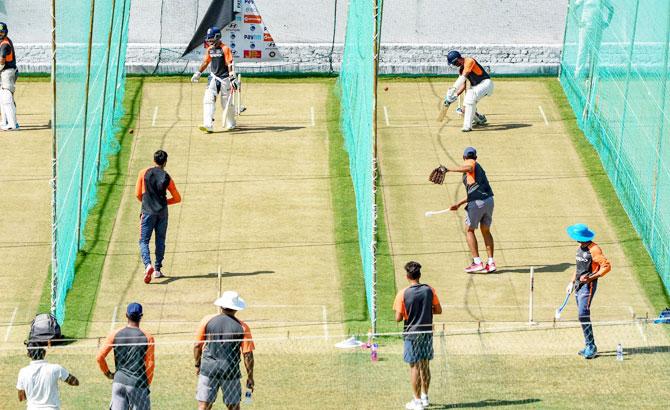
x,y
231,300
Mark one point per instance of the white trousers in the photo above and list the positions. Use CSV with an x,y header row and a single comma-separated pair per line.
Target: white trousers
x,y
7,104
218,88
472,97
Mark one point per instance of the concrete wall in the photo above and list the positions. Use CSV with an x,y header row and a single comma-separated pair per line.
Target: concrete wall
x,y
511,36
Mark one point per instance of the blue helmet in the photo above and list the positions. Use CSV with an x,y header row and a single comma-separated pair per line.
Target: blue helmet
x,y
3,28
452,56
213,34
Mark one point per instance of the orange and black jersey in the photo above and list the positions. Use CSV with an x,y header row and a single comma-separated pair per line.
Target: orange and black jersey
x,y
473,71
151,189
7,52
133,356
590,259
220,58
415,304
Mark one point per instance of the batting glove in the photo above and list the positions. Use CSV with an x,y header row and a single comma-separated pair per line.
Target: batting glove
x,y
234,82
196,77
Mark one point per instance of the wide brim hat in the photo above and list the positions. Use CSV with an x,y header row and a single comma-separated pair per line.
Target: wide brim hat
x,y
580,233
230,300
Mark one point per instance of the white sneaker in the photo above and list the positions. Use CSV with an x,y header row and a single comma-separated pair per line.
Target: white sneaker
x,y
466,129
415,404
158,274
208,130
424,400
8,128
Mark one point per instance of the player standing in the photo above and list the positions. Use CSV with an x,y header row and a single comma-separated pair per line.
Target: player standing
x,y
480,86
7,81
591,265
221,82
478,207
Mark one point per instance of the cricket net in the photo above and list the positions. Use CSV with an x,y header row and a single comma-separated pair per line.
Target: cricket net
x,y
90,46
614,70
357,84
511,365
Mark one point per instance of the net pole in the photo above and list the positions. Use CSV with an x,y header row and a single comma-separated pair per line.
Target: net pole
x,y
625,95
375,38
54,168
118,55
104,91
83,144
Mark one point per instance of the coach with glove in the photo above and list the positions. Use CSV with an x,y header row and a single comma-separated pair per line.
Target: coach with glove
x,y
478,208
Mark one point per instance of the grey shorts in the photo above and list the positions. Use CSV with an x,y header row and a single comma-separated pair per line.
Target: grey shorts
x,y
129,397
478,212
209,387
418,347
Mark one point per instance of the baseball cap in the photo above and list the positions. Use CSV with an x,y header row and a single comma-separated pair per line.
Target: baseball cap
x,y
470,152
134,310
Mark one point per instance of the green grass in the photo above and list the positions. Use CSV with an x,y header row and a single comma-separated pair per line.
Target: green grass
x,y
90,260
346,236
634,249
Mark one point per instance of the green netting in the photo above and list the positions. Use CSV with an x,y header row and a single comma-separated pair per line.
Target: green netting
x,y
84,120
357,98
614,70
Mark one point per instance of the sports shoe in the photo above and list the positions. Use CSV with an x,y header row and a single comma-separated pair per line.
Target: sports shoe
x,y
475,267
208,130
415,404
581,352
8,128
490,267
480,119
147,273
424,400
158,274
460,111
590,352
466,129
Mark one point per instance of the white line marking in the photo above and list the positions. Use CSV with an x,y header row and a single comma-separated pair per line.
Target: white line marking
x,y
324,310
639,325
11,323
311,116
544,117
153,120
113,324
386,116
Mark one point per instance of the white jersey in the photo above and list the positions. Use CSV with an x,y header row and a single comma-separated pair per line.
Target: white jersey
x,y
40,382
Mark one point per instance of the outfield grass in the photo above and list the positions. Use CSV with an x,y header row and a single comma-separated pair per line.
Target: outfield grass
x,y
82,296
630,241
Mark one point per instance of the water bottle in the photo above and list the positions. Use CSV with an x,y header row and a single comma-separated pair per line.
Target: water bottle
x,y
369,342
619,353
247,397
373,352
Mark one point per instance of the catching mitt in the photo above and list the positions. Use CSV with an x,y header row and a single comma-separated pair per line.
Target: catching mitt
x,y
437,176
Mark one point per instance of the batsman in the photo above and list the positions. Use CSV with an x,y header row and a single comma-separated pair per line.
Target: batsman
x,y
7,81
221,82
480,86
591,265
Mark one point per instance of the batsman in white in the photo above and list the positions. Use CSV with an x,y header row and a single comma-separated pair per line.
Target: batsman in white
x,y
7,81
222,81
480,86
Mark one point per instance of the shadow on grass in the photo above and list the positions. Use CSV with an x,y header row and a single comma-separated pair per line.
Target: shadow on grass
x,y
485,403
501,127
170,279
555,268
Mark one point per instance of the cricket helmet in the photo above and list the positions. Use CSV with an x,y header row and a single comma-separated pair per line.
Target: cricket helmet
x,y
453,56
213,34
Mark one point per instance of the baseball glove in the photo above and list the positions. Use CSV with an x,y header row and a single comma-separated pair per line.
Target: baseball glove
x,y
437,176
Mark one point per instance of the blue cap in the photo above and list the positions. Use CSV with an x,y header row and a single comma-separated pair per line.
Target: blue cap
x,y
580,233
470,153
134,310
452,56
